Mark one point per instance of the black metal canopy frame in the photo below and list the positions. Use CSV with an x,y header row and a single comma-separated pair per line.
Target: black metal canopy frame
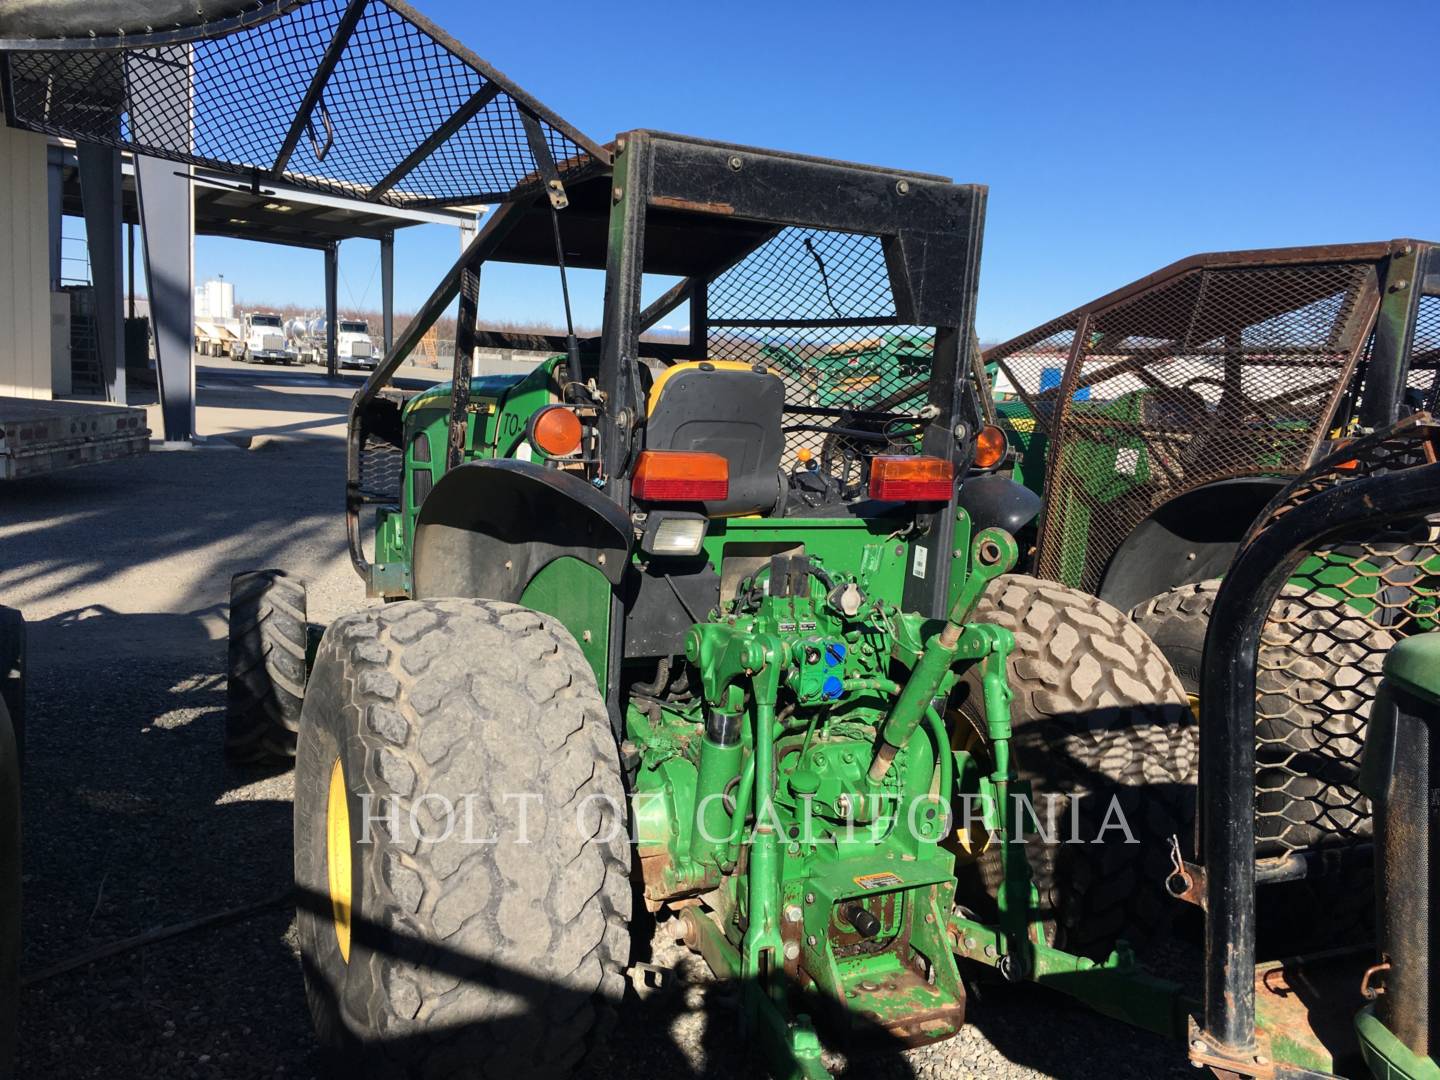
x,y
362,98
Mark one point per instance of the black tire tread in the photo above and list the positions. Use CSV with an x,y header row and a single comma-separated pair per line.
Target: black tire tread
x,y
12,674
447,698
1097,710
267,666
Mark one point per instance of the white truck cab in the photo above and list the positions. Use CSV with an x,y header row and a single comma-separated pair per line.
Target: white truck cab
x,y
265,339
353,345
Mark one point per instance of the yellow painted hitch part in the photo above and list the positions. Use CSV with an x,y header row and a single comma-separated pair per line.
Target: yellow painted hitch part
x,y
337,857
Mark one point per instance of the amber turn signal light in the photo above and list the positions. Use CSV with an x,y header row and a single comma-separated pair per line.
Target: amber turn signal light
x,y
990,447
555,431
680,476
910,478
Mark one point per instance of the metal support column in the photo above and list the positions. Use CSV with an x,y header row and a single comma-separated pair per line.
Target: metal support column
x,y
387,291
332,273
55,179
130,270
100,193
167,224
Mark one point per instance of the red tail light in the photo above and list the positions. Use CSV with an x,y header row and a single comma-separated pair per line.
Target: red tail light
x,y
909,478
680,476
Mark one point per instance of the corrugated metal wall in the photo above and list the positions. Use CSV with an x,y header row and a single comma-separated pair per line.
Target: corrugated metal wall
x,y
24,266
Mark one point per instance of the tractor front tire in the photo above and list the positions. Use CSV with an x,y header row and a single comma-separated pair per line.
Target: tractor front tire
x,y
9,891
266,685
461,854
1103,735
12,674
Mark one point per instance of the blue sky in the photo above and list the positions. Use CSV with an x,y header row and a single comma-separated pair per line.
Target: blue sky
x,y
1115,137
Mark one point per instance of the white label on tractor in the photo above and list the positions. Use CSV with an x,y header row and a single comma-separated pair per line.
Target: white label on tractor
x,y
1127,460
922,556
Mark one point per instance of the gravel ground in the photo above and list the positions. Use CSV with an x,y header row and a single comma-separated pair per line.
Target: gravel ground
x,y
134,821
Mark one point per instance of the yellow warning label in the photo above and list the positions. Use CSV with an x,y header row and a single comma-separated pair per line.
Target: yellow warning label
x,y
870,882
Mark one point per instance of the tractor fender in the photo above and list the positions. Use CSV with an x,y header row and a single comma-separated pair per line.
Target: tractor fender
x,y
996,501
1190,538
488,527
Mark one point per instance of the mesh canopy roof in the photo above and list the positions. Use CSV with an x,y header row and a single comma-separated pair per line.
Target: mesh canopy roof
x,y
362,98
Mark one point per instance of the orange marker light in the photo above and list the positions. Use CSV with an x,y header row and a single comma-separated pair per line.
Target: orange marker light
x,y
555,431
908,478
990,447
680,476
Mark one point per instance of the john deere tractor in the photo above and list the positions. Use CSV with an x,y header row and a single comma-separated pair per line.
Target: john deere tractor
x,y
635,629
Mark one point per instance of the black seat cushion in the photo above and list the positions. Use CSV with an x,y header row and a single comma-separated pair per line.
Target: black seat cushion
x,y
732,411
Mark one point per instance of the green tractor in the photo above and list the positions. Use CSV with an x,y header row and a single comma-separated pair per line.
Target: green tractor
x,y
636,634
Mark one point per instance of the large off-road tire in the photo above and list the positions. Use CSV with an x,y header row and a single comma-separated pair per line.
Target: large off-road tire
x,y
1101,729
462,958
12,674
266,687
1176,621
9,893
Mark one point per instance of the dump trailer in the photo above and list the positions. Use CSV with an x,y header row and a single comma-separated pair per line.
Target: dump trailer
x,y
39,436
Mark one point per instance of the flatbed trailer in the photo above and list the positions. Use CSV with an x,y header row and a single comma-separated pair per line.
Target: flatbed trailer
x,y
39,436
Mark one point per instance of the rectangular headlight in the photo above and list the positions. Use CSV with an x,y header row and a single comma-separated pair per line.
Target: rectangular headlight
x,y
673,534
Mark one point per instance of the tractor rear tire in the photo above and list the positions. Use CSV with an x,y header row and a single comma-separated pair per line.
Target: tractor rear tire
x,y
12,674
498,948
9,892
266,686
1176,621
1099,714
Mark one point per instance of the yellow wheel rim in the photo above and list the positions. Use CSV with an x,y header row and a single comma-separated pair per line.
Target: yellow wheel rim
x,y
337,857
1194,704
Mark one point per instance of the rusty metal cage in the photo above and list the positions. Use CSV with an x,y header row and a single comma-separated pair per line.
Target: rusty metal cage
x,y
816,306
362,98
1210,370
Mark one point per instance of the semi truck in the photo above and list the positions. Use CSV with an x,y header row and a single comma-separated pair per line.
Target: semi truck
x,y
354,346
265,341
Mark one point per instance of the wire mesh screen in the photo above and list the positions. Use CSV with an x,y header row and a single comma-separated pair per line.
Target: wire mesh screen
x,y
1323,645
816,307
401,117
1211,374
1027,376
1423,381
382,464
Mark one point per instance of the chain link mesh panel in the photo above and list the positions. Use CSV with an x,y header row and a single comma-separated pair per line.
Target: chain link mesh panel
x,y
1212,374
816,307
229,102
1323,645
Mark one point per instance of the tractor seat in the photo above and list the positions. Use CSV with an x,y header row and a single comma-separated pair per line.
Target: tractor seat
x,y
728,408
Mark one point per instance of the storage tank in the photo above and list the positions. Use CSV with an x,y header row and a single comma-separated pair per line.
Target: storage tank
x,y
215,299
